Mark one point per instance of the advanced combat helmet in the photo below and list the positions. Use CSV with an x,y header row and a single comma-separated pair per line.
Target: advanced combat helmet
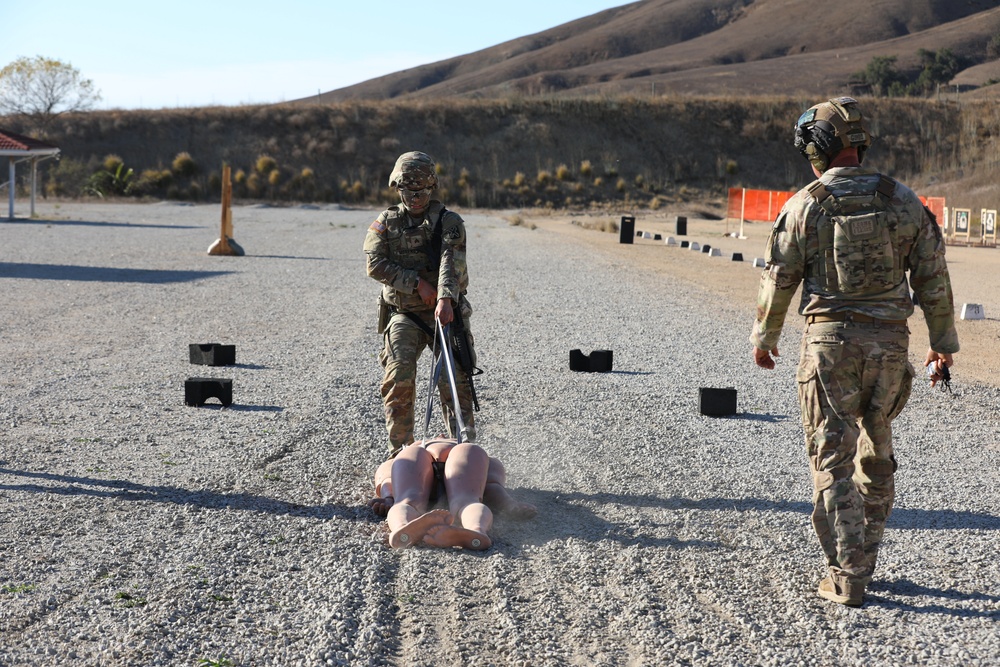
x,y
413,171
829,127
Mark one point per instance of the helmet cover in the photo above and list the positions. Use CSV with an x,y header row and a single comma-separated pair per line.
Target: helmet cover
x,y
413,171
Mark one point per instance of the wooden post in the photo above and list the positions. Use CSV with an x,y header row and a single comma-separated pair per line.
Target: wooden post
x,y
227,202
226,245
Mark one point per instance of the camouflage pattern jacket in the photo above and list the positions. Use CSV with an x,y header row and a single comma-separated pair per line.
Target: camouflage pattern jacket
x,y
866,276
400,250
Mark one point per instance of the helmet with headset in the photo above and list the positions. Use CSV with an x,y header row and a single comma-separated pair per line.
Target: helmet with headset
x,y
828,128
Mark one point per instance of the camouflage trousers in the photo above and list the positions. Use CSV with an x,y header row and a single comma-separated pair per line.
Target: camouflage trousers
x,y
854,379
404,342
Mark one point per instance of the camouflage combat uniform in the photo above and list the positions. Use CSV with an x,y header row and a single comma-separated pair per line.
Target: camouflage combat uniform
x,y
399,250
854,375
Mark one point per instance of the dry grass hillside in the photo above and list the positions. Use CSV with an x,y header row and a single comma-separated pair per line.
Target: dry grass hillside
x,y
513,152
706,47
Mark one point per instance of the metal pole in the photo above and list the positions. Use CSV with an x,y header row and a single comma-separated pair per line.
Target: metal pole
x,y
743,209
450,367
10,189
34,175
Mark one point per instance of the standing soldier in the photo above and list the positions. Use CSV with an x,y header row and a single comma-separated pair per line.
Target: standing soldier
x,y
850,237
417,251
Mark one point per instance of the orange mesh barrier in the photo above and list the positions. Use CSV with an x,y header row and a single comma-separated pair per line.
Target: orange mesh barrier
x,y
936,205
764,205
758,205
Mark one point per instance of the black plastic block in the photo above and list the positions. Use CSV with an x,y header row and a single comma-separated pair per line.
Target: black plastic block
x,y
599,361
737,257
198,390
717,402
212,354
685,244
681,225
627,230
706,248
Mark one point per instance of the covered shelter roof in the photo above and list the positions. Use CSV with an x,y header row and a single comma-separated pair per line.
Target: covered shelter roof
x,y
18,148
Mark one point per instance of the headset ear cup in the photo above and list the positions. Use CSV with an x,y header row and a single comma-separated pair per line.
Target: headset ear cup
x,y
816,157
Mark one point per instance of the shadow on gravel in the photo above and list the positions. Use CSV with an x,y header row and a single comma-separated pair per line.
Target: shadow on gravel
x,y
235,407
318,259
754,417
901,519
102,274
93,223
906,588
577,520
69,485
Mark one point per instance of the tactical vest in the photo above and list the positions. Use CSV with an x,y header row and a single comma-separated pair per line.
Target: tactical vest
x,y
417,247
858,245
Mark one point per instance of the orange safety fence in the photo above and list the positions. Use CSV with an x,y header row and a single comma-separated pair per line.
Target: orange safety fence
x,y
764,205
758,205
936,206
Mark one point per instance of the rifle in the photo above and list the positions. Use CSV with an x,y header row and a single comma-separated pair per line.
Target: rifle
x,y
462,347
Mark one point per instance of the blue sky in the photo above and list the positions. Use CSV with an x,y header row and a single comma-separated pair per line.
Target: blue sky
x,y
186,54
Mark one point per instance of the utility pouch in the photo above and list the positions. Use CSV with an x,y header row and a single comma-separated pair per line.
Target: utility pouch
x,y
383,314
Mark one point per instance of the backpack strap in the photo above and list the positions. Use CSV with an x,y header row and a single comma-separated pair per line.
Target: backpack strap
x,y
884,191
437,232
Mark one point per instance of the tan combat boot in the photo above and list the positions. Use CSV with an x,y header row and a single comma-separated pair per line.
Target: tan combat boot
x,y
843,591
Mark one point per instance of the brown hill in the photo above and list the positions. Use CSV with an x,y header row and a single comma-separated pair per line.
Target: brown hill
x,y
705,47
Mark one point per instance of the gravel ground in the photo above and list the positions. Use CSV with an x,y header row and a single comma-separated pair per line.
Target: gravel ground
x,y
135,530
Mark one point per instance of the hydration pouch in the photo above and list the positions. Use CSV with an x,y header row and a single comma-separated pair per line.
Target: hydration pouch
x,y
383,314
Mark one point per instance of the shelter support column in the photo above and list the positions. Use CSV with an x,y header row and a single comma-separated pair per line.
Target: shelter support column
x,y
10,188
34,187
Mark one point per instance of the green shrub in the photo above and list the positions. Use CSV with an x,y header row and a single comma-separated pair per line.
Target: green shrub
x,y
184,165
586,169
154,182
253,185
562,172
265,165
117,183
112,162
993,47
67,179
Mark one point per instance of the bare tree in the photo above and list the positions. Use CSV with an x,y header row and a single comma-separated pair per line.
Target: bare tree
x,y
42,88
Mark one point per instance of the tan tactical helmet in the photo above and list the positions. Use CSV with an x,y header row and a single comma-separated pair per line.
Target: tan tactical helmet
x,y
829,127
413,171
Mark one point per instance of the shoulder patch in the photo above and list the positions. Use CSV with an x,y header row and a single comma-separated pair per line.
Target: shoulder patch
x,y
453,234
377,227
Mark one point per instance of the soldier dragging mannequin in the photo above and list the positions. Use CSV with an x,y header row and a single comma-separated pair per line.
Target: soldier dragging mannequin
x,y
416,249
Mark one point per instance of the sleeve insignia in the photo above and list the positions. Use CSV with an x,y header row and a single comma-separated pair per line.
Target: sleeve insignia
x,y
377,227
